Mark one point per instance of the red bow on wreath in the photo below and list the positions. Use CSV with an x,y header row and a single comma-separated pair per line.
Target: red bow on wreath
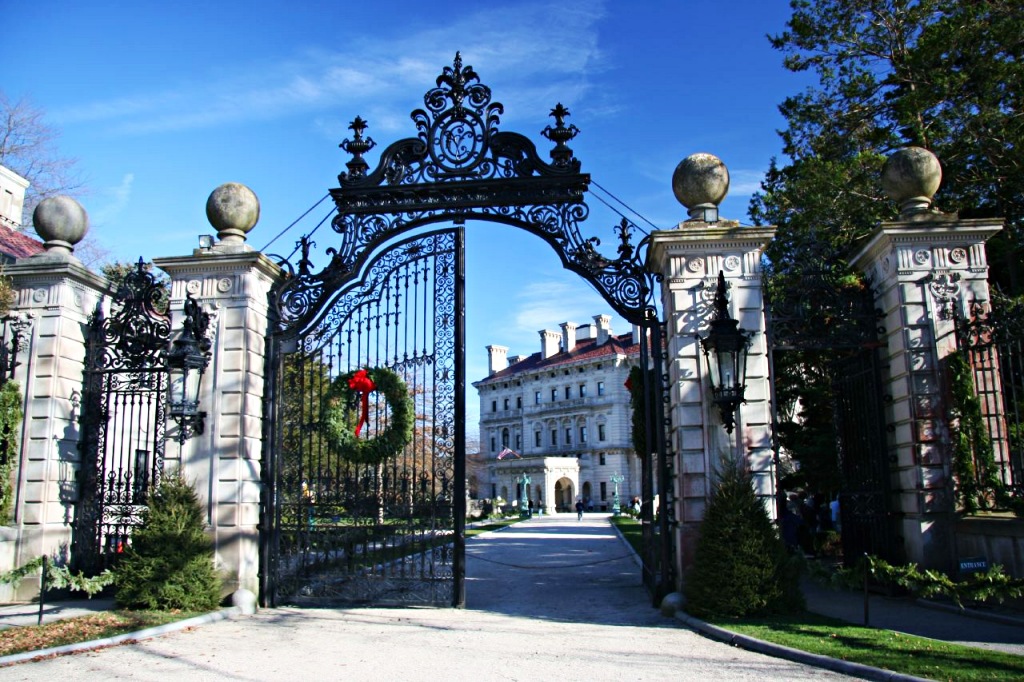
x,y
362,384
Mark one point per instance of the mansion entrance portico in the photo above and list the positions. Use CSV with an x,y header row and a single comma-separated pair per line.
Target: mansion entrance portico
x,y
553,482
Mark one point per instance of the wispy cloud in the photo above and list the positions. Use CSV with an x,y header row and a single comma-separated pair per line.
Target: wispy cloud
x,y
546,304
115,198
517,46
744,182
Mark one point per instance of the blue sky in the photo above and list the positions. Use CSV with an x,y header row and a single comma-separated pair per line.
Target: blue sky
x,y
162,102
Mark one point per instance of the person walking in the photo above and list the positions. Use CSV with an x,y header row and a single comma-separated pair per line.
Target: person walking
x,y
579,510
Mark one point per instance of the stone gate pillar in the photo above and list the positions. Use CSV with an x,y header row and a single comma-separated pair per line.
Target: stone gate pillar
x,y
923,268
690,258
54,297
232,282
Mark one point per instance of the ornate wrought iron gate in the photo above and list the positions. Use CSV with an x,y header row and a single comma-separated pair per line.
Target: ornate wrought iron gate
x,y
123,419
821,320
388,531
863,456
393,532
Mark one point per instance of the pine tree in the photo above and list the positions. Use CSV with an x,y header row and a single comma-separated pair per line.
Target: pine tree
x,y
740,567
169,564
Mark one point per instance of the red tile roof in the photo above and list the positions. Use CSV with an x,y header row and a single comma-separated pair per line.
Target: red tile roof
x,y
586,349
18,244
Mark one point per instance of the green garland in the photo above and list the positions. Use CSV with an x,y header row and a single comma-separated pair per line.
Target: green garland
x,y
60,577
635,384
994,584
10,418
340,417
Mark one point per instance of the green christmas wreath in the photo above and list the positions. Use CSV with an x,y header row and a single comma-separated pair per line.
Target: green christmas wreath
x,y
345,411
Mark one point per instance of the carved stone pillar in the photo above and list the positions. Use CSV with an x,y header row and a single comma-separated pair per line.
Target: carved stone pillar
x,y
924,268
232,282
690,258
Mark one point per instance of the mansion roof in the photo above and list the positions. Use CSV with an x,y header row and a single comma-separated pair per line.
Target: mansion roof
x,y
18,244
586,350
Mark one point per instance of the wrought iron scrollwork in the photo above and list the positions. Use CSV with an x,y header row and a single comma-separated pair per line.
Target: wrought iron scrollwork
x,y
10,345
461,167
136,334
123,417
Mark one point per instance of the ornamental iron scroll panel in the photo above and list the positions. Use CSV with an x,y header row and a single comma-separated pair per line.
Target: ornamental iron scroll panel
x,y
123,419
821,319
993,340
387,533
460,167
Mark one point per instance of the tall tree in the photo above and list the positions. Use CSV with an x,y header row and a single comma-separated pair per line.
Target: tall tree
x,y
942,74
28,146
946,75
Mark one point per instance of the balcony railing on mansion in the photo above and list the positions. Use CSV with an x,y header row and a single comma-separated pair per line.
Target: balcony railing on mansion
x,y
994,347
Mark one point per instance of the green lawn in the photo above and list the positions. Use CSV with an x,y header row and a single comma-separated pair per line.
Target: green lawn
x,y
881,648
885,649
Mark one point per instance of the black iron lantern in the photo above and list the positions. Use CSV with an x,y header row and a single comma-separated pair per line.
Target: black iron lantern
x,y
725,348
186,363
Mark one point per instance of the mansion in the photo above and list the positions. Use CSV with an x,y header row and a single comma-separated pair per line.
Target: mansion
x,y
560,420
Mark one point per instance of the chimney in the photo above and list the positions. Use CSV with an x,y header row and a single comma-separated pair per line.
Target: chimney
x,y
604,328
516,359
568,336
549,343
496,359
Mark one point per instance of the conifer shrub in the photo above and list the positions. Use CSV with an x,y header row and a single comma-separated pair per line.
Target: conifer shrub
x,y
169,564
741,567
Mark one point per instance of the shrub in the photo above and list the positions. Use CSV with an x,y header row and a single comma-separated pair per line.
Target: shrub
x,y
169,564
740,566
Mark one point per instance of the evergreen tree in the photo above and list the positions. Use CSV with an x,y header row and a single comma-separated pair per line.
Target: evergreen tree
x,y
740,566
169,564
941,74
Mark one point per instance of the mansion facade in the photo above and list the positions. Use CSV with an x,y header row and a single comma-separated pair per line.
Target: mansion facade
x,y
559,420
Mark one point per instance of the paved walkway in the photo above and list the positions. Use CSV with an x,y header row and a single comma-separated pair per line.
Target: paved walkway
x,y
548,598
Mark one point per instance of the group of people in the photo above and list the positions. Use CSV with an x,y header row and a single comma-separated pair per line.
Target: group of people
x,y
805,517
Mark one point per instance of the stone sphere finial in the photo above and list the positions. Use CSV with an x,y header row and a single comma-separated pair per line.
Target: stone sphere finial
x,y
911,177
700,182
234,210
61,222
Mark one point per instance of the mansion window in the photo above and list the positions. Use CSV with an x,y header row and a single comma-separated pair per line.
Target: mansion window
x,y
494,444
568,436
536,397
554,436
494,406
519,402
568,392
505,405
536,439
600,432
604,491
519,441
554,395
600,388
601,459
583,434
504,438
583,390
